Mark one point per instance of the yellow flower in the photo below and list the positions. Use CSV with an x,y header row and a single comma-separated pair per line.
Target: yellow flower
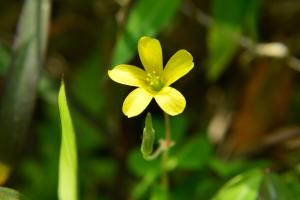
x,y
154,81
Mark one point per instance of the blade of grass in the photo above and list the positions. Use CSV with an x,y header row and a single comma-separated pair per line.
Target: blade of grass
x,y
22,77
67,184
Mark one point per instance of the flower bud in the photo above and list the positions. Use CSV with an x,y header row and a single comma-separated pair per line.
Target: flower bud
x,y
148,137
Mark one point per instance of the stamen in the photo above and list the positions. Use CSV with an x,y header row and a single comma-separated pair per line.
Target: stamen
x,y
154,80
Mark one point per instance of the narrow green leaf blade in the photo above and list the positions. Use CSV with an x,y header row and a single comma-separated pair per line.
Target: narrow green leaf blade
x,y
67,184
147,17
22,78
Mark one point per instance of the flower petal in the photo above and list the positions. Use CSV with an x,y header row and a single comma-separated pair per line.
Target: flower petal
x,y
178,65
150,54
136,102
171,101
128,75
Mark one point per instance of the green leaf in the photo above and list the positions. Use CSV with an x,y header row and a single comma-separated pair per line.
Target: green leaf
x,y
20,88
67,184
227,169
10,194
194,154
149,171
147,17
273,188
140,166
222,48
231,17
292,182
242,187
143,186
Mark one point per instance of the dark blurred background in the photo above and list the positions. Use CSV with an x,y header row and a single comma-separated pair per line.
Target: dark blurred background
x,y
243,95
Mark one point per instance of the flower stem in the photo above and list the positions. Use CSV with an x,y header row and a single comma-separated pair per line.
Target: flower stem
x,y
168,129
155,154
164,159
165,177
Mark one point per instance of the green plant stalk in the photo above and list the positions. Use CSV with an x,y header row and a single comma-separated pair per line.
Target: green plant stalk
x,y
165,156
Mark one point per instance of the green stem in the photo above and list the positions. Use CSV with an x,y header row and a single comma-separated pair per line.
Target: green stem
x,y
155,154
164,160
168,129
165,177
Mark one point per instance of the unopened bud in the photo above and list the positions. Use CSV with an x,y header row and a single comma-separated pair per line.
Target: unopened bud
x,y
148,137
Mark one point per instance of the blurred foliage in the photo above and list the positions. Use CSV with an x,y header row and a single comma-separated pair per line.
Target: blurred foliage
x,y
4,59
273,188
22,77
244,186
232,18
86,38
10,194
142,22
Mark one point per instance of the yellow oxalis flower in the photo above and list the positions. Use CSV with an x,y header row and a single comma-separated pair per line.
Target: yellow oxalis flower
x,y
154,81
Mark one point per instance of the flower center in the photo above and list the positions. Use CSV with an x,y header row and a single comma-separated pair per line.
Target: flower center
x,y
154,80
